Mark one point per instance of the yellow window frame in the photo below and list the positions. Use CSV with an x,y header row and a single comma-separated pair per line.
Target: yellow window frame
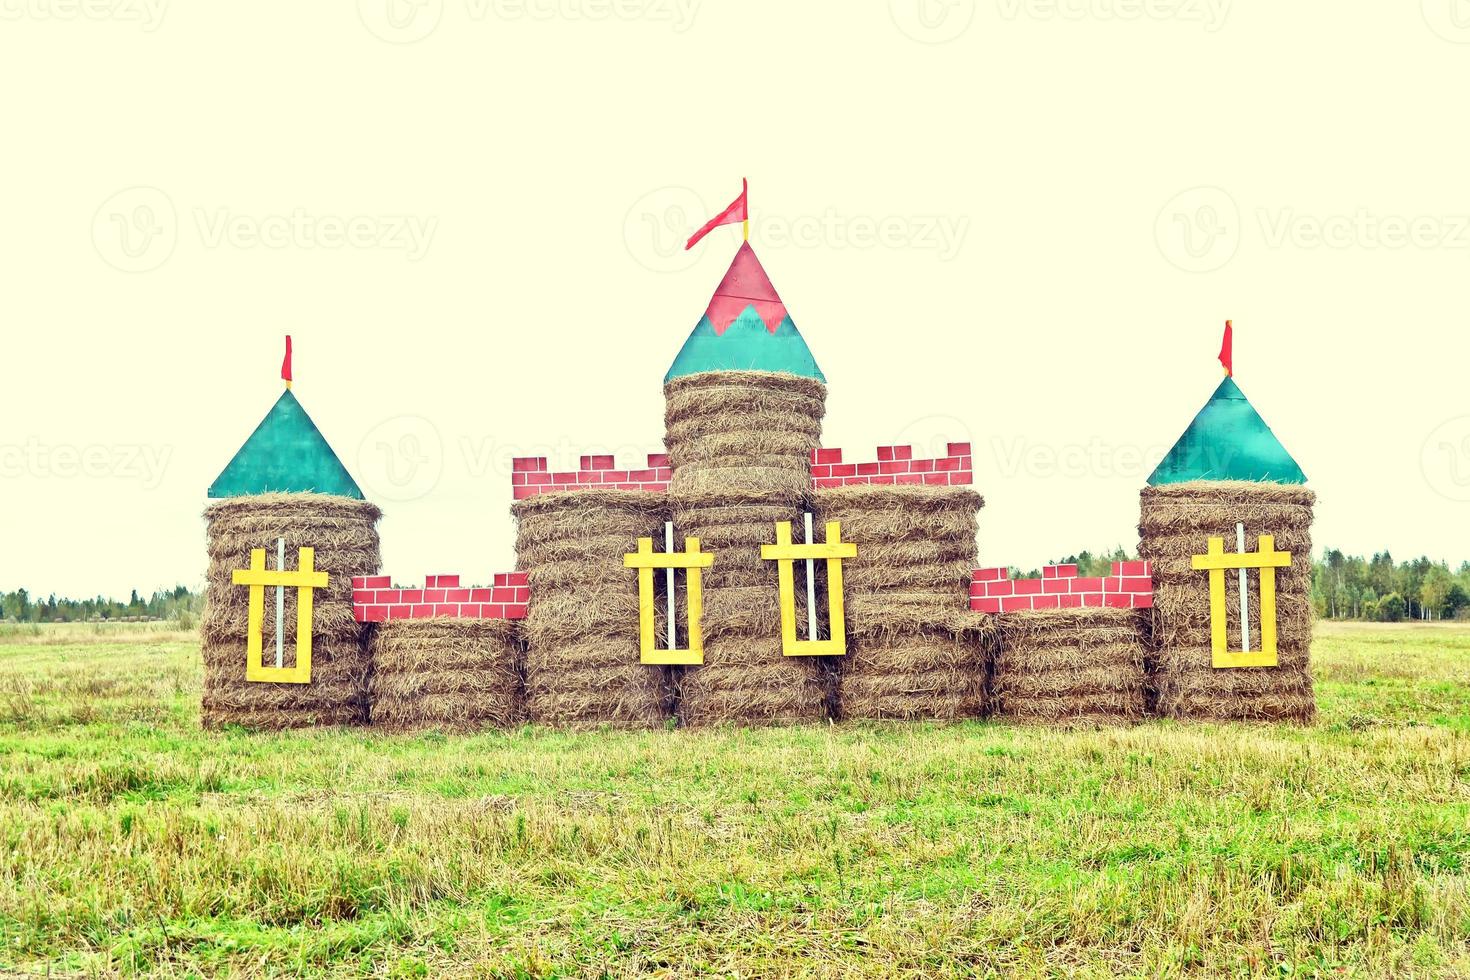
x,y
304,579
1267,559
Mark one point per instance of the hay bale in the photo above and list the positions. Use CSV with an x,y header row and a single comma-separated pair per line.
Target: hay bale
x,y
936,673
447,675
740,444
1071,666
734,532
744,435
916,554
581,630
746,680
343,532
1176,521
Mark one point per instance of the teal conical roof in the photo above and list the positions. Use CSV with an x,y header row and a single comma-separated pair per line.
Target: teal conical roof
x,y
1228,440
285,454
745,328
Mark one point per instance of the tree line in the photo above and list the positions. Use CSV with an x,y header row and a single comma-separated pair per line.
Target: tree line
x,y
177,603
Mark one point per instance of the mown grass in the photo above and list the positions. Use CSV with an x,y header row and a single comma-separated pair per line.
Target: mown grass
x,y
134,842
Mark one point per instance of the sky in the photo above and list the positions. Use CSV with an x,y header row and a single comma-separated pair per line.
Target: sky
x,y
1019,223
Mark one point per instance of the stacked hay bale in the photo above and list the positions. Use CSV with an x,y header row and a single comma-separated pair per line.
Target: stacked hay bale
x,y
914,650
740,445
1071,666
1176,522
343,532
581,631
447,675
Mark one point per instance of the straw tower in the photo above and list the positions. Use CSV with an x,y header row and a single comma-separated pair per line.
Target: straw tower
x,y
1176,522
1228,477
744,407
740,445
344,535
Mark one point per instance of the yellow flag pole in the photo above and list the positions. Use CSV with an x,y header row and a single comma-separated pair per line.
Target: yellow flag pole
x,y
745,193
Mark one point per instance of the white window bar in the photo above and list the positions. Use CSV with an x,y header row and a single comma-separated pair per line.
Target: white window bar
x,y
811,586
669,582
280,599
1245,598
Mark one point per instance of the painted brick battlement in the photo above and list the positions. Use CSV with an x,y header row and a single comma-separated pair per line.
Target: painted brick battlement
x,y
530,475
1131,586
894,465
375,599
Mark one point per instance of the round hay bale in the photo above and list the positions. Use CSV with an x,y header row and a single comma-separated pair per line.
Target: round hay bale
x,y
450,675
1176,522
937,673
916,554
343,533
745,436
581,630
1071,666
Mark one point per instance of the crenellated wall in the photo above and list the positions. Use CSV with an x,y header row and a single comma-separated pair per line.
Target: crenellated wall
x,y
375,599
895,465
992,590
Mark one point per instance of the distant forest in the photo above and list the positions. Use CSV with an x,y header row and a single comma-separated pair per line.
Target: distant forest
x,y
177,604
1343,587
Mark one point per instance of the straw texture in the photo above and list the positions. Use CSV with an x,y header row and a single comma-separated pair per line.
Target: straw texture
x,y
451,675
581,630
1071,666
343,533
740,444
1176,522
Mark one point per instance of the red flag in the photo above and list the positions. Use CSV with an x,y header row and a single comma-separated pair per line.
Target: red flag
x,y
737,211
286,364
1225,355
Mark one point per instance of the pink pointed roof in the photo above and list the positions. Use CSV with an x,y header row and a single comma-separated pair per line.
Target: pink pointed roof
x,y
745,284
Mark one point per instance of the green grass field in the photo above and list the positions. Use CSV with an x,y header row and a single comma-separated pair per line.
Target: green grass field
x,y
134,842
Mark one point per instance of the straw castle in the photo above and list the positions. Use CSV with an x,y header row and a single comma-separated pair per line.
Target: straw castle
x,y
751,575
